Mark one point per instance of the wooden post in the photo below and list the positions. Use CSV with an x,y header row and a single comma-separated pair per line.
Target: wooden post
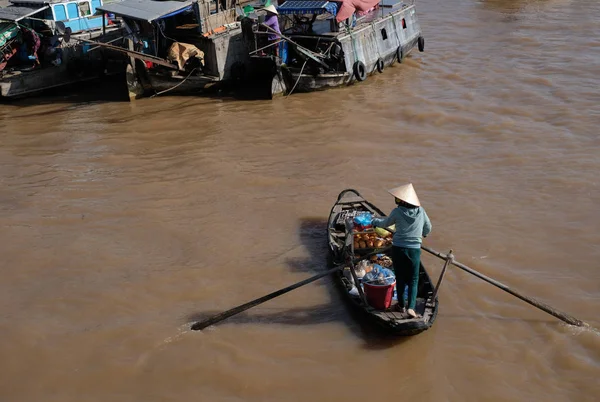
x,y
353,272
449,259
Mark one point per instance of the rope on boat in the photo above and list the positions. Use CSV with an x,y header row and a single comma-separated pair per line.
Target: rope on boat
x,y
109,42
265,47
314,54
353,42
397,32
303,65
542,306
169,89
299,76
377,43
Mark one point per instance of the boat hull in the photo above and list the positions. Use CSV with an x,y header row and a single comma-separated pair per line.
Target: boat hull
x,y
383,39
223,55
307,83
388,38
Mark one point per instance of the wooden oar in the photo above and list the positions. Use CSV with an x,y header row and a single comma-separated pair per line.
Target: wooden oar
x,y
542,306
200,325
236,310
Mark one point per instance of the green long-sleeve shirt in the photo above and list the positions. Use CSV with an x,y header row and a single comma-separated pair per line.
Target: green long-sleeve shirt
x,y
412,224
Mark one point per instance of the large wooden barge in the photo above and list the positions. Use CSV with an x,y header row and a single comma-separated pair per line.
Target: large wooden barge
x,y
316,50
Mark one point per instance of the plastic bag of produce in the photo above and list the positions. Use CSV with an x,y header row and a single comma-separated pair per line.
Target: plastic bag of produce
x,y
363,220
379,276
364,266
360,271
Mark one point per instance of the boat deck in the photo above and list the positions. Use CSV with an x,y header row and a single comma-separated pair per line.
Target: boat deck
x,y
391,315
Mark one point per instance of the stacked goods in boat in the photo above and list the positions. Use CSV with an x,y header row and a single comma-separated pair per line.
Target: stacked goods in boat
x,y
376,282
366,237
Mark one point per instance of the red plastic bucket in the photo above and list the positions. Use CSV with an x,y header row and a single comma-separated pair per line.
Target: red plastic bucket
x,y
379,296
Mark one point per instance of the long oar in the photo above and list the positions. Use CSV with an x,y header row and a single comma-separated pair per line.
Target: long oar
x,y
236,310
542,306
200,325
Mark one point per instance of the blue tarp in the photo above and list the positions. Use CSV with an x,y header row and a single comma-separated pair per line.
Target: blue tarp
x,y
307,7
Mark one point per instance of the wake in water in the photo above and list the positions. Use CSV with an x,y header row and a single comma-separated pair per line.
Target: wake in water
x,y
575,330
181,331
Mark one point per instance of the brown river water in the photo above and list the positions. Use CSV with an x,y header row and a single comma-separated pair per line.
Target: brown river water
x,y
123,223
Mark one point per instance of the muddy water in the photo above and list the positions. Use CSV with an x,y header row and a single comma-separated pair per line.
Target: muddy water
x,y
122,223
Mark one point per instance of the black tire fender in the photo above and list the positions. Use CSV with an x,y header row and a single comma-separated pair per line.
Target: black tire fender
x,y
421,43
380,65
360,71
399,54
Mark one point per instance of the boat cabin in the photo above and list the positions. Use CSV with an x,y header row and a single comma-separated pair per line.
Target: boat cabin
x,y
197,41
78,15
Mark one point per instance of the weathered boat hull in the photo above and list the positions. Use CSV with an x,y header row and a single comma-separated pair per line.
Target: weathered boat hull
x,y
308,83
388,321
382,39
377,45
180,84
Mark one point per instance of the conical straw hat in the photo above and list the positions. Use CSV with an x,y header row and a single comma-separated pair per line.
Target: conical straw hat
x,y
406,193
271,8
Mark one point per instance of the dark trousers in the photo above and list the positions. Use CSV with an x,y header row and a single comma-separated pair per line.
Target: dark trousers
x,y
406,267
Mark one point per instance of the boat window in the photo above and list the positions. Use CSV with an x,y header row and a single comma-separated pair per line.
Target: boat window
x,y
95,5
72,10
403,23
84,8
383,34
60,14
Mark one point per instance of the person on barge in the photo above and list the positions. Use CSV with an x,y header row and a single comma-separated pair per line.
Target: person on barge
x,y
412,224
272,21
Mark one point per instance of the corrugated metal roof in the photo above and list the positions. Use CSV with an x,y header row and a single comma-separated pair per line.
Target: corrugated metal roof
x,y
147,10
35,1
14,13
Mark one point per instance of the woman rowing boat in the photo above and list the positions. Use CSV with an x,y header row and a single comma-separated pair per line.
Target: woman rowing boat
x,y
412,224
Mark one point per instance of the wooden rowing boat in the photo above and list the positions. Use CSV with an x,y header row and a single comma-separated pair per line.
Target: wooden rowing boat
x,y
342,252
